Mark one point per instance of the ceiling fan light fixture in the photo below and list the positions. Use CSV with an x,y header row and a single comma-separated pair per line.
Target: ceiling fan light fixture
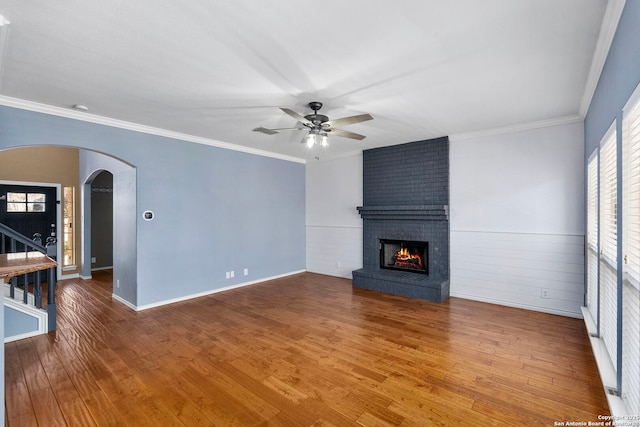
x,y
324,141
318,126
310,140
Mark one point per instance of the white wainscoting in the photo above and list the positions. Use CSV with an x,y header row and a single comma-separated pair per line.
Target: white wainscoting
x,y
542,272
334,250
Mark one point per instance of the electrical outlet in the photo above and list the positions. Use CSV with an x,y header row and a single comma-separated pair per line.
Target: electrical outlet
x,y
118,283
93,260
233,273
228,274
246,271
544,293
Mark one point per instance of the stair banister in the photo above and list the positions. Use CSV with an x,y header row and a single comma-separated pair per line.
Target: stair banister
x,y
28,245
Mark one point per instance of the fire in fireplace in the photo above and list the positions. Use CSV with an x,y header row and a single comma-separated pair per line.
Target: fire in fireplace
x,y
406,255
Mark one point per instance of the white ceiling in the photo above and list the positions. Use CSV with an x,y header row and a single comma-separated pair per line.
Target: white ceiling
x,y
218,69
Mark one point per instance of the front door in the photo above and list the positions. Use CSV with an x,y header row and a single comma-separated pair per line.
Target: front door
x,y
29,210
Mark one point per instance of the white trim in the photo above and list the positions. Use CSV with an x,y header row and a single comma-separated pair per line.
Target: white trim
x,y
517,128
124,301
102,268
325,273
202,294
607,31
348,227
18,294
632,102
70,276
595,153
23,336
106,121
514,232
41,317
605,367
58,188
565,313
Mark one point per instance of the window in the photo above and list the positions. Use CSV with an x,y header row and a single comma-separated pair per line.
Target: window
x,y
26,202
631,252
592,237
68,252
631,194
608,230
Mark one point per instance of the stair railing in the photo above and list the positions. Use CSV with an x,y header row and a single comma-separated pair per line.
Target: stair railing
x,y
13,242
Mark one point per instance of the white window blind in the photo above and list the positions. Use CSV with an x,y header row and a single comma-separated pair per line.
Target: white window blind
x,y
592,237
608,245
631,347
631,194
608,200
631,251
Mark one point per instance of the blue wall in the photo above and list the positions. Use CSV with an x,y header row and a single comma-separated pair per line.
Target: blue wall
x,y
125,250
18,323
215,209
620,76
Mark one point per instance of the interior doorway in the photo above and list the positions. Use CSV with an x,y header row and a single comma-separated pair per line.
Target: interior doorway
x,y
29,210
33,210
102,221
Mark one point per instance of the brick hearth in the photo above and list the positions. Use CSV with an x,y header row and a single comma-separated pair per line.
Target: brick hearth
x,y
406,197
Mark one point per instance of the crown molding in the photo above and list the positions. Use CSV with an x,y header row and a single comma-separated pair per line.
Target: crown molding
x,y
576,118
121,124
608,29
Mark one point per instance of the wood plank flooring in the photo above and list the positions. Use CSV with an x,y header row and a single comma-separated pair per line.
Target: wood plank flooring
x,y
306,350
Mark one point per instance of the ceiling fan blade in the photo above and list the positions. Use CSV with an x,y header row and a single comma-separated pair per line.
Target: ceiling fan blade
x,y
273,131
350,120
297,116
345,134
265,130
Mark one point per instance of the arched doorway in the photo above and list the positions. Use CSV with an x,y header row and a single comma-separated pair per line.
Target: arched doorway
x,y
102,221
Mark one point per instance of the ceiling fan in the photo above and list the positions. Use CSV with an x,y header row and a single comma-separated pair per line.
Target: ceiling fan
x,y
319,125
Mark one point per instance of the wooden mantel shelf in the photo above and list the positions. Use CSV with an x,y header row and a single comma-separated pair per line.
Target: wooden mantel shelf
x,y
23,262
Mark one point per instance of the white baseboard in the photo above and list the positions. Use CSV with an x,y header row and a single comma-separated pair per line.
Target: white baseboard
x,y
23,336
202,294
565,313
332,274
123,301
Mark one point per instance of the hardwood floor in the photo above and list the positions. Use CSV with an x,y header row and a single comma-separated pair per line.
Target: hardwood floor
x,y
306,350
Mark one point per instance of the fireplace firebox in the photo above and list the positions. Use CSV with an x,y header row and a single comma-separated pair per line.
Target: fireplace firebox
x,y
405,255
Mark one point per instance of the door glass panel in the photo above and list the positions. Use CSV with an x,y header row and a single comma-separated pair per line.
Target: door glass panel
x,y
26,202
16,202
36,202
17,197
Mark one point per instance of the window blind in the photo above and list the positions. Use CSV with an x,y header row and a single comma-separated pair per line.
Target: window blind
x,y
631,250
631,347
592,237
631,194
608,211
608,201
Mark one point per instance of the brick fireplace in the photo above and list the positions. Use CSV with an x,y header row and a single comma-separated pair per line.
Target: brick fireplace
x,y
406,200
